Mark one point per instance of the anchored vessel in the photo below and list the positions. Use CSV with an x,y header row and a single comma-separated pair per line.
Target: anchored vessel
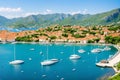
x,y
74,56
16,62
49,61
81,51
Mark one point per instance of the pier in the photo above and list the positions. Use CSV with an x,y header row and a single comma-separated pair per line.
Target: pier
x,y
111,61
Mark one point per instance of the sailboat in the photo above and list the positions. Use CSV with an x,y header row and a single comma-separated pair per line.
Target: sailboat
x,y
55,59
48,62
97,50
107,48
81,50
74,56
16,62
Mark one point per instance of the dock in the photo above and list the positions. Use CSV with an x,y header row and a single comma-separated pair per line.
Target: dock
x,y
111,61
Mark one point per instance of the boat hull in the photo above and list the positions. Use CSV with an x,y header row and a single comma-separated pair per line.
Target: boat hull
x,y
16,62
54,60
74,57
47,63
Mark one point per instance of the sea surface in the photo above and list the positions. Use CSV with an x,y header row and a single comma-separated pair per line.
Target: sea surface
x,y
65,69
16,29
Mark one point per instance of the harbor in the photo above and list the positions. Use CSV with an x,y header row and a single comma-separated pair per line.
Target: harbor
x,y
112,61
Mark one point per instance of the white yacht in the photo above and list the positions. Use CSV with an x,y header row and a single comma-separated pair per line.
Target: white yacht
x,y
97,50
54,60
81,51
107,48
32,49
16,62
74,56
48,62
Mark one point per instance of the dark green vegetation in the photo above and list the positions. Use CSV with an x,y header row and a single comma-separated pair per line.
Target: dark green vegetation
x,y
118,66
114,28
116,77
106,18
78,35
25,38
112,40
65,35
94,40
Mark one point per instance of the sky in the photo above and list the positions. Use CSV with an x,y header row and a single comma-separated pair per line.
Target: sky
x,y
23,8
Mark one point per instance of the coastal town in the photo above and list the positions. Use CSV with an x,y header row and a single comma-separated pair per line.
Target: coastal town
x,y
60,40
72,34
67,33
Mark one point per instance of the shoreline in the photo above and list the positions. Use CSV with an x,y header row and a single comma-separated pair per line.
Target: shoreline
x,y
113,61
114,68
47,42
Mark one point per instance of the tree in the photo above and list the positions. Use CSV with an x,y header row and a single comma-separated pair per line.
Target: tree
x,y
97,40
94,28
25,38
65,35
90,41
52,37
78,35
112,40
49,29
93,33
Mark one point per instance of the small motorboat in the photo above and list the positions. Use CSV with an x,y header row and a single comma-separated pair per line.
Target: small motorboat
x,y
96,50
74,57
32,49
81,51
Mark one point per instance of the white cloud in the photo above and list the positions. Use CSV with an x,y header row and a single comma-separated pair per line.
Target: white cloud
x,y
48,11
31,13
77,12
7,9
18,12
85,11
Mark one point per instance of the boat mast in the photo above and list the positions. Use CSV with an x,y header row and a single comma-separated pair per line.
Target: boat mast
x,y
14,52
47,51
74,49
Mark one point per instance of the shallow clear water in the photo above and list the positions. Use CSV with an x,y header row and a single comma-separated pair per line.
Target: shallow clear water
x,y
85,68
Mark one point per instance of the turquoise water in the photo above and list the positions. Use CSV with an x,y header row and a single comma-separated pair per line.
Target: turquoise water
x,y
85,68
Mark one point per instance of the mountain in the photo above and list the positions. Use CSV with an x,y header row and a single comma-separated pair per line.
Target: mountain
x,y
36,21
105,18
3,20
39,20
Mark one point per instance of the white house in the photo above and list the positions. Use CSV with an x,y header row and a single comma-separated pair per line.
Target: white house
x,y
83,41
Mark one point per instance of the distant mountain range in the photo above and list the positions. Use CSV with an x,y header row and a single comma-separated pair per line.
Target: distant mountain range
x,y
36,21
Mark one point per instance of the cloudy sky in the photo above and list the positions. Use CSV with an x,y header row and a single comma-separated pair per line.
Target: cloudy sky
x,y
22,8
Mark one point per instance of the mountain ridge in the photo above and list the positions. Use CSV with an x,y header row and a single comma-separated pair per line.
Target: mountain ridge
x,y
40,20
